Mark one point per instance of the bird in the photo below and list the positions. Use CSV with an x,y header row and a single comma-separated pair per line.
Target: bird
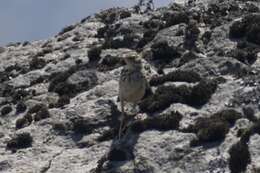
x,y
132,84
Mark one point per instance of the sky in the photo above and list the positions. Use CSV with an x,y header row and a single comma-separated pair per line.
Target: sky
x,y
28,20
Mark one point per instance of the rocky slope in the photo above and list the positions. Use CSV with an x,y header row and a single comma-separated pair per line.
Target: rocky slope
x,y
59,105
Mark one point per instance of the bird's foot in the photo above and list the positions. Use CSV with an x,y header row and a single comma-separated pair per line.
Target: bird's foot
x,y
140,116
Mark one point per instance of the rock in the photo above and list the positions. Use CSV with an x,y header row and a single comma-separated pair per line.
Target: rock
x,y
20,107
108,116
5,165
199,114
117,155
94,53
2,49
250,113
164,96
67,29
247,27
175,17
37,63
111,15
169,121
42,113
24,121
254,154
239,157
112,58
163,52
6,110
60,126
20,141
215,127
181,76
62,101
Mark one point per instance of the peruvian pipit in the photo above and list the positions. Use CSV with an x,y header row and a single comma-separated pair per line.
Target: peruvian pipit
x,y
132,84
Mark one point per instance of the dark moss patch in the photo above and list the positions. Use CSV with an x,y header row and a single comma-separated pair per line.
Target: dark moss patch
x,y
209,130
215,127
20,94
58,83
202,92
175,17
6,110
62,101
249,113
82,125
237,30
239,157
78,61
22,140
248,27
101,32
4,76
6,90
20,107
94,53
65,56
67,29
109,62
164,96
35,108
187,57
85,19
42,113
25,43
163,52
72,82
63,37
147,37
117,155
63,88
245,134
61,126
47,50
169,121
229,115
182,76
24,121
124,14
247,56
77,38
206,37
113,14
154,24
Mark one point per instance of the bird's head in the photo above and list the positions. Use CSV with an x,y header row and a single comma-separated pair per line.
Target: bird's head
x,y
133,61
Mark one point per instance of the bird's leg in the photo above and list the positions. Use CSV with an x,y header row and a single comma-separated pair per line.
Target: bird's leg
x,y
131,118
135,108
121,118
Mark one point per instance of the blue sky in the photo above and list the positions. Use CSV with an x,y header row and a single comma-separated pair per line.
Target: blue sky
x,y
23,20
